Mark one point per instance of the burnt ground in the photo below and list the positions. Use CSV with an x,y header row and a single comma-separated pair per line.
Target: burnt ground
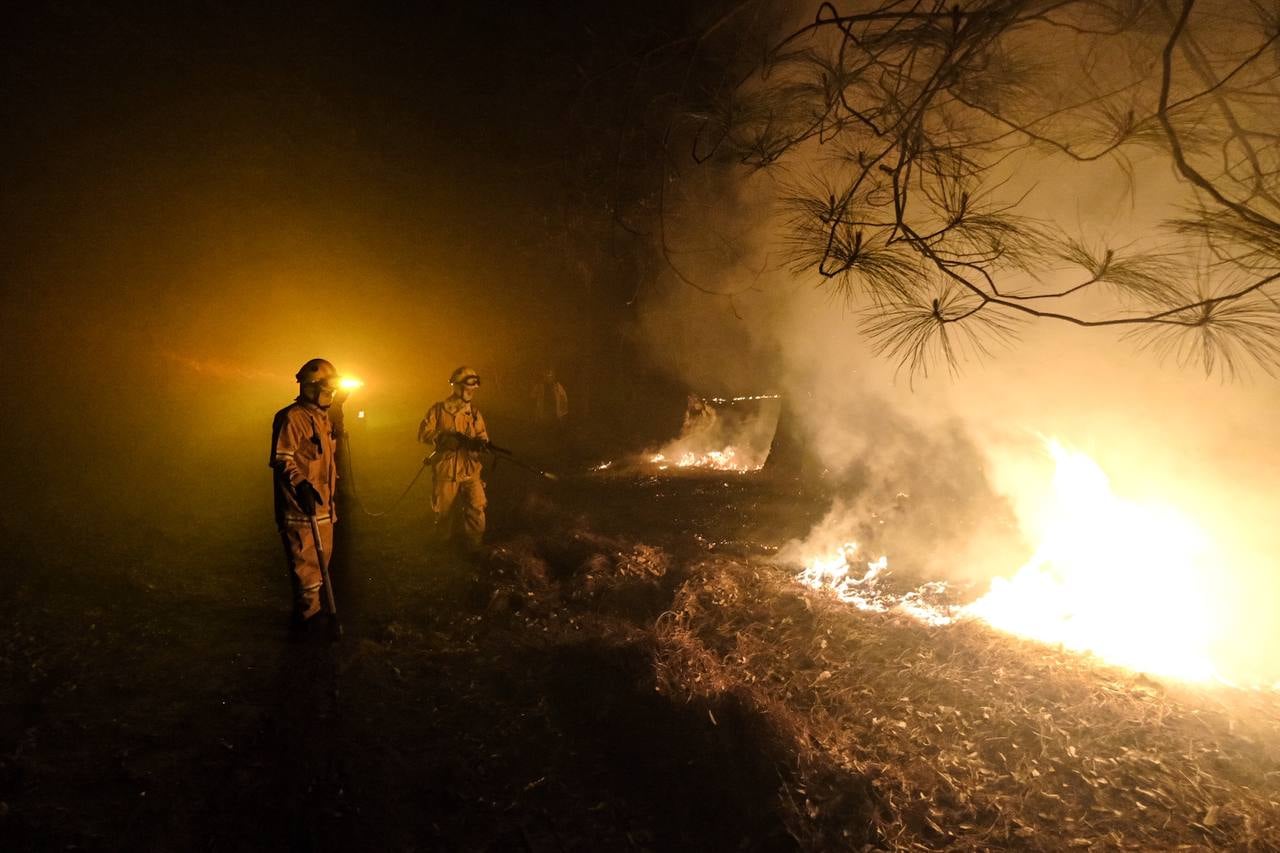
x,y
624,670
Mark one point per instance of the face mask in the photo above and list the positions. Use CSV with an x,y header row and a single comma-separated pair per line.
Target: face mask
x,y
320,393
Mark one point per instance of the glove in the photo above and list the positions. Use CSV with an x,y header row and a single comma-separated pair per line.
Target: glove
x,y
468,443
308,497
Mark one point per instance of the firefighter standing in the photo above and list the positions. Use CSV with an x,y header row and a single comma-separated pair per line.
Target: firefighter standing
x,y
456,431
306,479
550,415
550,402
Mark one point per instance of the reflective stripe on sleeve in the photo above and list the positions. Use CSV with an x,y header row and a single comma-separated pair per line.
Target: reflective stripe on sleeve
x,y
306,519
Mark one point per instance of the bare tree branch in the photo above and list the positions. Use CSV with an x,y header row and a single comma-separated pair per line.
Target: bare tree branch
x,y
921,106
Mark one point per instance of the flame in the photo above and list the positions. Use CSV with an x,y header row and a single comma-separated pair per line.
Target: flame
x,y
748,398
1120,579
727,459
720,460
718,435
836,571
1123,580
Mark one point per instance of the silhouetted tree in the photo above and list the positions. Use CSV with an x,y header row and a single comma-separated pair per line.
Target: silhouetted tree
x,y
910,116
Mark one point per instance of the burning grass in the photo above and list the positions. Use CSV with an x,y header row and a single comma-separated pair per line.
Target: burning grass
x,y
884,732
672,687
731,435
966,738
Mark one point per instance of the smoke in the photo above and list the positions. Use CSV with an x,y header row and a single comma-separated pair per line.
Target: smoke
x,y
943,472
903,463
176,244
726,435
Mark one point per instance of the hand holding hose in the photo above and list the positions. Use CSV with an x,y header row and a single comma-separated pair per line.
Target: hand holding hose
x,y
469,443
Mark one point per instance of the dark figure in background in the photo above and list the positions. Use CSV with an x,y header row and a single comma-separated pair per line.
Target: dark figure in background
x,y
456,431
550,402
306,480
699,416
550,417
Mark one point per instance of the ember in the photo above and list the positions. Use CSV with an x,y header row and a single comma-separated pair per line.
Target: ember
x,y
751,398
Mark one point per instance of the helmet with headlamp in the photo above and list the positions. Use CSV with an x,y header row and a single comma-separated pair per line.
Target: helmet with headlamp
x,y
318,370
319,381
464,376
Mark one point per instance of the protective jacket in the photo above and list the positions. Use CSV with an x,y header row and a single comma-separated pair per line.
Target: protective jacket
x,y
452,415
302,448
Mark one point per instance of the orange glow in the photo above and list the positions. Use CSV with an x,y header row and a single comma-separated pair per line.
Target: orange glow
x,y
721,437
726,459
1125,581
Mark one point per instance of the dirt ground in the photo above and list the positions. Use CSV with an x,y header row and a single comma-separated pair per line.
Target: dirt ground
x,y
155,701
623,670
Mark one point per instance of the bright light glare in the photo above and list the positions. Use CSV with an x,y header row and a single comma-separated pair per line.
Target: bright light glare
x,y
1126,581
350,383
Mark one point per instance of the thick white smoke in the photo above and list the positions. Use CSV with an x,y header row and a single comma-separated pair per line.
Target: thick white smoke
x,y
967,447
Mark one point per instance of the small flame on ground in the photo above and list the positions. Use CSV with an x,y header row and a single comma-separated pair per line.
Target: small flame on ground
x,y
727,459
724,400
1112,577
837,572
718,436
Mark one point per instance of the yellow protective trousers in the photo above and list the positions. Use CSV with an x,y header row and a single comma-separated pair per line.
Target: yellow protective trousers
x,y
459,509
304,564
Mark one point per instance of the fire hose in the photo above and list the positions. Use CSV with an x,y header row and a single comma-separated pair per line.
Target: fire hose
x,y
498,453
344,438
351,474
503,453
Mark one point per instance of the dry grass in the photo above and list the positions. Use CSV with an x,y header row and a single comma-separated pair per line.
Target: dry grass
x,y
886,733
964,738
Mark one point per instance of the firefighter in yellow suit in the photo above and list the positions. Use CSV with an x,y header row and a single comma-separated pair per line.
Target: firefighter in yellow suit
x,y
456,431
306,479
